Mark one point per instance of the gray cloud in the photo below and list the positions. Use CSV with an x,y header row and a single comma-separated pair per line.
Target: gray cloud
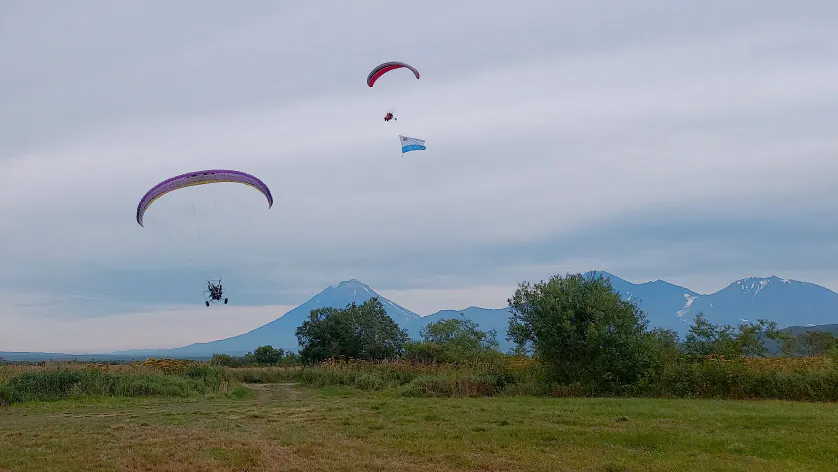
x,y
693,143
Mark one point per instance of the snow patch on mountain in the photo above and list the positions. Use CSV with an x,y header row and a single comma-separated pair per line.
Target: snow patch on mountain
x,y
392,309
690,299
752,286
397,312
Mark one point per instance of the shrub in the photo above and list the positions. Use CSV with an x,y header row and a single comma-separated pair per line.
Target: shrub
x,y
452,341
582,330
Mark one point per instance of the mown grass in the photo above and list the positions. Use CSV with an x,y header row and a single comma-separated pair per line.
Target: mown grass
x,y
341,428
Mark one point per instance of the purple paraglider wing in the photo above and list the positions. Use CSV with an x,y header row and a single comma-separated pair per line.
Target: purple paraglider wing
x,y
382,69
200,177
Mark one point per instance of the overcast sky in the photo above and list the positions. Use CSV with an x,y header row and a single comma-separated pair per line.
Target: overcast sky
x,y
690,141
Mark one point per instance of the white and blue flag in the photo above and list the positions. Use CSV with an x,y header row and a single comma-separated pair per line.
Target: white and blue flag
x,y
412,144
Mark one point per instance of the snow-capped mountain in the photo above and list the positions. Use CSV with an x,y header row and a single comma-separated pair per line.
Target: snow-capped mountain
x,y
280,332
788,302
666,305
354,291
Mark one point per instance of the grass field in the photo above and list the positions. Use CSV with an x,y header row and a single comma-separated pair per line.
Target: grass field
x,y
282,427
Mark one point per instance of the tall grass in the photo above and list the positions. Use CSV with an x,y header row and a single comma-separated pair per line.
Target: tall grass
x,y
56,382
800,379
502,375
261,374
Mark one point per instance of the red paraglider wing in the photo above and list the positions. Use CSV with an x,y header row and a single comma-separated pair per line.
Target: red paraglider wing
x,y
382,69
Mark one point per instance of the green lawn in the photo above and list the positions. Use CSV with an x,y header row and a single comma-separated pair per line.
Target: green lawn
x,y
284,428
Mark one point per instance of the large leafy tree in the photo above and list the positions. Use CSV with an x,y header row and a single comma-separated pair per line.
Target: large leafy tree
x,y
267,355
357,331
582,330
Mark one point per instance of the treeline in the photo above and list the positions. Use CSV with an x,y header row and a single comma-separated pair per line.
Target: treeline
x,y
809,343
567,322
263,356
366,332
584,338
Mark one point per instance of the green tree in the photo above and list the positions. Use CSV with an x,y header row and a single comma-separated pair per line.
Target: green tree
x,y
749,340
267,355
452,340
581,330
706,338
665,342
460,333
290,358
833,353
783,338
357,331
225,360
815,343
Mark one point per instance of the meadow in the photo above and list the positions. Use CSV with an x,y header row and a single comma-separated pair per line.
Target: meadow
x,y
166,415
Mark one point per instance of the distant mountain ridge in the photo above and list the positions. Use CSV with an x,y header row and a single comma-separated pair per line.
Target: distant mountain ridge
x,y
666,305
788,302
280,332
